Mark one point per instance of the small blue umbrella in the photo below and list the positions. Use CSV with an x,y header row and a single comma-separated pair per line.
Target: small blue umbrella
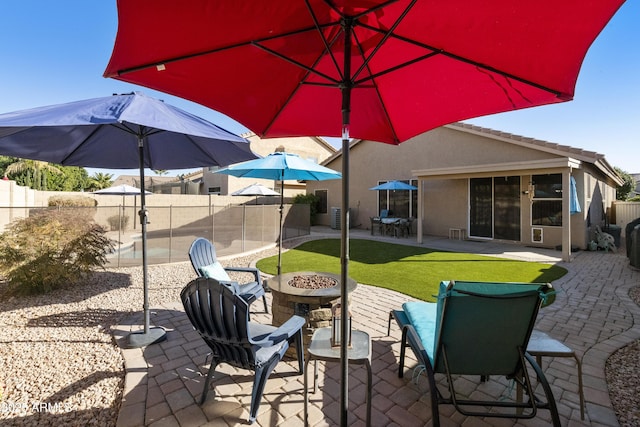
x,y
574,203
121,132
281,166
394,185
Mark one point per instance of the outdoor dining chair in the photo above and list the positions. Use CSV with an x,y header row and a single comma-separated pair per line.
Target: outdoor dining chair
x,y
478,329
202,254
221,318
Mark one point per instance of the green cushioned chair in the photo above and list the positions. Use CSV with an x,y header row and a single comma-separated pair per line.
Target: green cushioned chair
x,y
480,329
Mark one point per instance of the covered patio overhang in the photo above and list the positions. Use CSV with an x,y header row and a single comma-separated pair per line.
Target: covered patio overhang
x,y
563,165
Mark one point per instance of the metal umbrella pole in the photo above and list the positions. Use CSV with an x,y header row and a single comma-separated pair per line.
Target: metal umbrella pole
x,y
156,334
281,224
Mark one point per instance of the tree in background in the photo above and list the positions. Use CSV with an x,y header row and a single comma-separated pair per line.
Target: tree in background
x,y
4,162
31,173
622,192
72,178
100,180
49,177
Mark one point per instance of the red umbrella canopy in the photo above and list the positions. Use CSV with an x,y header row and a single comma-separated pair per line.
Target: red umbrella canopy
x,y
383,70
276,66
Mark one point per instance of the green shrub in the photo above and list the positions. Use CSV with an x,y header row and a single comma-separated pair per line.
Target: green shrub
x,y
50,249
312,200
72,201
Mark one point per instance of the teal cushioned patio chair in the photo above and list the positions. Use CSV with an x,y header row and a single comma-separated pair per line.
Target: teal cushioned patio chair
x,y
221,318
479,329
202,254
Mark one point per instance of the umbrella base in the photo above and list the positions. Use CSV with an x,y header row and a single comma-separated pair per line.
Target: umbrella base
x,y
140,339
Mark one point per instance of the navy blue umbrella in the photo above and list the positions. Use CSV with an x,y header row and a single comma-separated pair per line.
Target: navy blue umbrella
x,y
121,132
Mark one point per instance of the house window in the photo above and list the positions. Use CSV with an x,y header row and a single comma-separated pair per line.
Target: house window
x,y
322,201
214,190
400,203
546,207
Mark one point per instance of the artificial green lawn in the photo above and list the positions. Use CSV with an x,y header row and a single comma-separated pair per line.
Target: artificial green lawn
x,y
411,270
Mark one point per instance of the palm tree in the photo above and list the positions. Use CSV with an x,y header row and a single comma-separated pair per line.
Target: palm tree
x,y
100,180
39,181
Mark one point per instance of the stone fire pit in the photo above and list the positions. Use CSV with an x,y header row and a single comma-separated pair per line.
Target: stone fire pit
x,y
308,294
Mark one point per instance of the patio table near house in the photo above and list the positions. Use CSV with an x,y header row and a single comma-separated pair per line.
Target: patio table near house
x,y
390,226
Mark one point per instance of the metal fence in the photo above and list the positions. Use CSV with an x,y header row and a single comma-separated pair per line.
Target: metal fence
x,y
171,229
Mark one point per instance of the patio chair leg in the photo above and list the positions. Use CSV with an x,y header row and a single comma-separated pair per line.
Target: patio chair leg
x,y
207,381
551,403
262,375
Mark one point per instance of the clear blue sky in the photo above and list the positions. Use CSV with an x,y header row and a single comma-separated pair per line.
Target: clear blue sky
x,y
56,51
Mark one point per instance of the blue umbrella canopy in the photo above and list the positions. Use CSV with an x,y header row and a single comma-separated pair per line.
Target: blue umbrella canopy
x,y
281,166
574,203
104,133
121,132
394,185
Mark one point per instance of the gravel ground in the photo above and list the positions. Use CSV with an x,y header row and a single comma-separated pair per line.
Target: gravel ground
x,y
59,364
621,372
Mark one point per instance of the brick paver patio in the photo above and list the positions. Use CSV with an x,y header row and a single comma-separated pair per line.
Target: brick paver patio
x,y
592,314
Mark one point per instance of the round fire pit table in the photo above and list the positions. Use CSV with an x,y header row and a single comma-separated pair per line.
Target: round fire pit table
x,y
308,294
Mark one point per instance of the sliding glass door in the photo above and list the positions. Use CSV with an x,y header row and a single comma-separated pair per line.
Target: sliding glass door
x,y
481,207
506,208
494,208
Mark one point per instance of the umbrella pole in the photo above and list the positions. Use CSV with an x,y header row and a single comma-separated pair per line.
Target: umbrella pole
x,y
148,335
281,224
344,226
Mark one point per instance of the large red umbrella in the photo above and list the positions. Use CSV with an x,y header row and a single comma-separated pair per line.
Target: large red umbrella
x,y
381,70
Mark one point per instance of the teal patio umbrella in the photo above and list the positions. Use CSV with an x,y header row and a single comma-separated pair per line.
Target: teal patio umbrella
x,y
281,166
394,185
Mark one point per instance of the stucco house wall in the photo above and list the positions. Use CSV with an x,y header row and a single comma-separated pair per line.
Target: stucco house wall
x,y
444,161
